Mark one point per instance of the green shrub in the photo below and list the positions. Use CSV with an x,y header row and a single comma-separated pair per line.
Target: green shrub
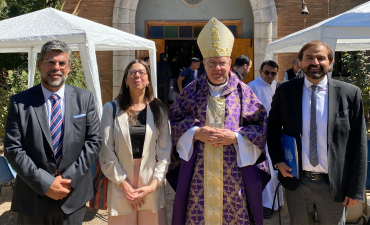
x,y
356,64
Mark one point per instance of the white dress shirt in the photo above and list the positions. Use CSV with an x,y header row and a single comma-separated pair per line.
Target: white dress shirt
x,y
249,154
47,99
322,123
264,91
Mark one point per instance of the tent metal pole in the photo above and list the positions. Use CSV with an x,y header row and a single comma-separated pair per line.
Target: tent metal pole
x,y
32,55
153,70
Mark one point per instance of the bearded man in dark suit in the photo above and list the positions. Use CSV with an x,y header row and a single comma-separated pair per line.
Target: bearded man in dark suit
x,y
52,139
326,118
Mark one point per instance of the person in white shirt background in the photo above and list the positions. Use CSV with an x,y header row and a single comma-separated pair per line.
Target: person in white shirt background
x,y
264,88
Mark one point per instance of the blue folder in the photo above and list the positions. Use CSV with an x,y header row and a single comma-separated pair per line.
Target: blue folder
x,y
289,146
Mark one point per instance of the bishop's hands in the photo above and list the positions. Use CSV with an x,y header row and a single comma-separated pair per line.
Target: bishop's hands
x,y
216,137
59,189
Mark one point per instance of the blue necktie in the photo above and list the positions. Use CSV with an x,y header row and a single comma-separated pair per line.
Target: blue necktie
x,y
56,127
314,160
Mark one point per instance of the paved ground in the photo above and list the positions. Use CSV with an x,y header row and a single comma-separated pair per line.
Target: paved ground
x,y
98,217
94,217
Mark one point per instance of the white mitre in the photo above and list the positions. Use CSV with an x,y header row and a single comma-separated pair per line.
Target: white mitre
x,y
215,40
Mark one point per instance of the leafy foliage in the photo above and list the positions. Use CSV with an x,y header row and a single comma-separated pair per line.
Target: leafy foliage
x,y
14,8
16,81
356,64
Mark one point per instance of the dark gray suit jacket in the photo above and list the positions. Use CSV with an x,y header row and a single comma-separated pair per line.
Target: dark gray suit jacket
x,y
347,141
28,148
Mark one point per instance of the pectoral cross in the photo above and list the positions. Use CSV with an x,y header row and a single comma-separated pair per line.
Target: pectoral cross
x,y
216,124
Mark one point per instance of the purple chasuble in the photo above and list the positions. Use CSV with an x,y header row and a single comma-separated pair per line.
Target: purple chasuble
x,y
245,115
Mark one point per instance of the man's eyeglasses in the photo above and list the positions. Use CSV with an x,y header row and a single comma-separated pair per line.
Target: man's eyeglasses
x,y
133,72
267,73
52,63
214,64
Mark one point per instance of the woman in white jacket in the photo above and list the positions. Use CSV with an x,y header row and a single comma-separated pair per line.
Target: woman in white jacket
x,y
136,151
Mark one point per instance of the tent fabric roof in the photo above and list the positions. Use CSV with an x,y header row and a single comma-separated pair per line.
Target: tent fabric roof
x,y
34,29
349,31
27,33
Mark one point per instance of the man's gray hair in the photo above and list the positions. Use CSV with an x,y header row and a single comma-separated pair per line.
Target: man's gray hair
x,y
296,60
55,45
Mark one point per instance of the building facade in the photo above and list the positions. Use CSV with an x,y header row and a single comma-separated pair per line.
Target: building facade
x,y
176,23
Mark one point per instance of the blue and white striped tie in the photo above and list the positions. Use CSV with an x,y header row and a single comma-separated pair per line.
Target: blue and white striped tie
x,y
56,127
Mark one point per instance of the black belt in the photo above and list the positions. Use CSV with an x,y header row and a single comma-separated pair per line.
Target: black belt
x,y
316,176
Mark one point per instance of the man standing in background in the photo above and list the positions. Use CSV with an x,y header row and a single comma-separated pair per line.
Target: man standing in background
x,y
147,61
294,72
164,75
189,74
264,88
242,66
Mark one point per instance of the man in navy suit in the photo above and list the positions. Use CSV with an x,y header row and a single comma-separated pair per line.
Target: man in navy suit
x,y
326,118
52,139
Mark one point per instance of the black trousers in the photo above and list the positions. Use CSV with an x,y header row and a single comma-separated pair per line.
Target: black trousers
x,y
55,217
163,90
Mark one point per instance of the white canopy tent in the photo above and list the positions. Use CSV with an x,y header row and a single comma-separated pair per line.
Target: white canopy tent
x,y
349,31
27,33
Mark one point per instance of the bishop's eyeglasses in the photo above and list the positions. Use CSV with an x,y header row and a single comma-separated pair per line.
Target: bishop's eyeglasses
x,y
213,64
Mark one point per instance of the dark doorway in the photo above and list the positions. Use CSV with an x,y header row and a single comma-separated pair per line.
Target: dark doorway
x,y
184,50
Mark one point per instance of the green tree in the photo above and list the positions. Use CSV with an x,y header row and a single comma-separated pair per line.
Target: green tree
x,y
356,64
19,7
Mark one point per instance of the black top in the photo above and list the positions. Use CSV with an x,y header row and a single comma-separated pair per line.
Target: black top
x,y
137,134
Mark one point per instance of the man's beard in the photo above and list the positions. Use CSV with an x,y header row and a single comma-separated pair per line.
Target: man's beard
x,y
54,83
316,75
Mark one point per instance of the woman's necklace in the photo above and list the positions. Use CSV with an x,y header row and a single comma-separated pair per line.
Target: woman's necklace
x,y
215,123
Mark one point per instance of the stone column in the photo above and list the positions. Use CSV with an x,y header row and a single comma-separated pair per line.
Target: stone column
x,y
124,14
265,30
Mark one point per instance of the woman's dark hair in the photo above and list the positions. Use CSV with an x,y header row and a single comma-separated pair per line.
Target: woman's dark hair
x,y
124,99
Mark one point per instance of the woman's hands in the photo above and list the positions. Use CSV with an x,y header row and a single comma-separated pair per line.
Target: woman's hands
x,y
132,197
135,196
144,191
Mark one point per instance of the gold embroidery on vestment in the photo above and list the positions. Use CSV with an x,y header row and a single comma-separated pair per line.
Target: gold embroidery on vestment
x,y
213,160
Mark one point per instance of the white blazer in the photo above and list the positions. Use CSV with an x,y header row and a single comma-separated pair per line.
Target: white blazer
x,y
116,160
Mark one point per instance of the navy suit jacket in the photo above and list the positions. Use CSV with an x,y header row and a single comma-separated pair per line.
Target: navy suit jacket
x,y
28,148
